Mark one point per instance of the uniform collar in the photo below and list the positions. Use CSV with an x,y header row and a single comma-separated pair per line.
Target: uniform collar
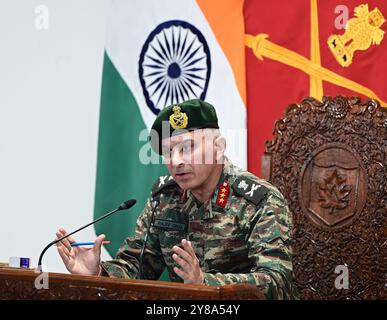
x,y
205,210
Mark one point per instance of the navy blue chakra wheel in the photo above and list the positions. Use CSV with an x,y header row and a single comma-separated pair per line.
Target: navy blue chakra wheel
x,y
175,65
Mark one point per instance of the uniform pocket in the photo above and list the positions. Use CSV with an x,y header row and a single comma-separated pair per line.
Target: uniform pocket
x,y
168,239
226,254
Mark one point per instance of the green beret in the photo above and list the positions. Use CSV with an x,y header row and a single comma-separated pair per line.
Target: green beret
x,y
180,118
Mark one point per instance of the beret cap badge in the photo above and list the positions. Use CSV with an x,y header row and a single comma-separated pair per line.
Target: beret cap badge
x,y
178,119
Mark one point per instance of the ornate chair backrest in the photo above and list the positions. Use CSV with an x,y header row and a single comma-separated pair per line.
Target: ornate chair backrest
x,y
329,159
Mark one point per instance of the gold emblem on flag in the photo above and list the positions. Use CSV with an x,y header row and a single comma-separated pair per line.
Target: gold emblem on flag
x,y
178,120
263,48
360,33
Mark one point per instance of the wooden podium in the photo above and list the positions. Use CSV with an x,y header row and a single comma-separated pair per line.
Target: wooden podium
x,y
20,284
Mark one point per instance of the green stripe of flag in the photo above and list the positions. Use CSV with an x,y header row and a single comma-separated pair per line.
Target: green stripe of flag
x,y
120,175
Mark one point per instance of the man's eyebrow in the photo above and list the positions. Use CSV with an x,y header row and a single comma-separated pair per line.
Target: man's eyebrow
x,y
179,143
187,140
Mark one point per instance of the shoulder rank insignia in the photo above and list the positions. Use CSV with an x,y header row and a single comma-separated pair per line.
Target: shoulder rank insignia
x,y
178,119
161,183
249,189
223,192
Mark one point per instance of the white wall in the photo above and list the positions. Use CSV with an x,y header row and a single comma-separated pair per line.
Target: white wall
x,y
49,107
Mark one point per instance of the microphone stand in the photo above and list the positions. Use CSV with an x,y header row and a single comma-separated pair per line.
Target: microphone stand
x,y
141,271
123,206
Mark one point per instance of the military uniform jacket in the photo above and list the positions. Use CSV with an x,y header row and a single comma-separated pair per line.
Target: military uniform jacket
x,y
242,234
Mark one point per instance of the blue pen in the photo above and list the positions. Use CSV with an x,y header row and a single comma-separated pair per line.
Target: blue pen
x,y
77,244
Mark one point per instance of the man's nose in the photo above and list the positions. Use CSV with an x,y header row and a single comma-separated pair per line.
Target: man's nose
x,y
177,158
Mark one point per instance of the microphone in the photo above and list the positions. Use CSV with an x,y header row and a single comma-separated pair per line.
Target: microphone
x,y
123,206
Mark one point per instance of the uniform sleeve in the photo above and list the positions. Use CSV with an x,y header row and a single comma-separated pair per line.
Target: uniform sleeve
x,y
126,263
269,245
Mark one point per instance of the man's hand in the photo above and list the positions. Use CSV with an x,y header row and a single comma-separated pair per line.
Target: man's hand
x,y
190,270
80,260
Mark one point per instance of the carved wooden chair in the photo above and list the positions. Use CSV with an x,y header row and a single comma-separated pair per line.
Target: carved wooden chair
x,y
329,159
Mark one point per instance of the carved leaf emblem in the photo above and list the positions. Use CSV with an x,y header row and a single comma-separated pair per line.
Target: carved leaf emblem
x,y
334,192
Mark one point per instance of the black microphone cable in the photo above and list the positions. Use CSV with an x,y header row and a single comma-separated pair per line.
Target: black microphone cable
x,y
140,267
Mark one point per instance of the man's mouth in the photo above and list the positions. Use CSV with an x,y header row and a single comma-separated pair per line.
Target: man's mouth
x,y
183,174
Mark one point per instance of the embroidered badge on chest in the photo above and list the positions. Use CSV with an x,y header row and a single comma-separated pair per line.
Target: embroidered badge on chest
x,y
170,225
223,192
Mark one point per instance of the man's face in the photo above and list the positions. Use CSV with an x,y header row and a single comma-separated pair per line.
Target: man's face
x,y
190,158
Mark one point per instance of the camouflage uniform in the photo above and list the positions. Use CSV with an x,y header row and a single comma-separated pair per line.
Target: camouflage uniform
x,y
242,234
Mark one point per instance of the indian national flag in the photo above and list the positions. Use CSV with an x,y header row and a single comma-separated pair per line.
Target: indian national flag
x,y
159,53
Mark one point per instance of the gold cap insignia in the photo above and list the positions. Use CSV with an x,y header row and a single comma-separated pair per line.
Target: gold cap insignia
x,y
178,120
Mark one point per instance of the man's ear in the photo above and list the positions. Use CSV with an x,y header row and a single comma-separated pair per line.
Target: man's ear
x,y
220,148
